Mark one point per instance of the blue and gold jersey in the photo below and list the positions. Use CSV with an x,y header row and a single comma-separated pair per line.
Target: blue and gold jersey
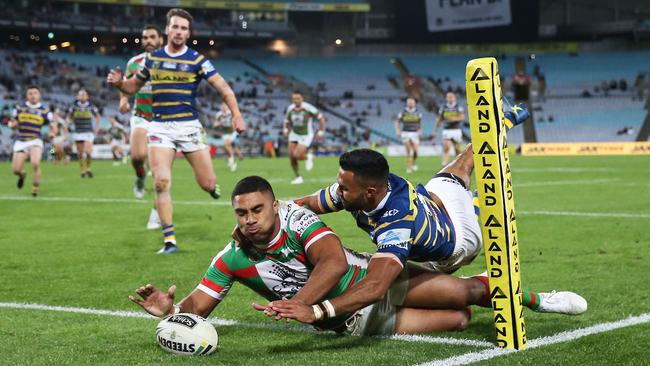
x,y
407,223
82,114
31,118
174,80
447,112
411,120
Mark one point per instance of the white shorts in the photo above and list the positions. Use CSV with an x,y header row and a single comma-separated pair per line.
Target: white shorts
x,y
138,122
115,142
380,317
26,146
412,136
186,136
230,137
84,136
58,140
458,204
454,134
304,140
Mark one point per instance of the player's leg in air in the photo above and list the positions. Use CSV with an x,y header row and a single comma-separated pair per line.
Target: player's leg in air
x,y
17,164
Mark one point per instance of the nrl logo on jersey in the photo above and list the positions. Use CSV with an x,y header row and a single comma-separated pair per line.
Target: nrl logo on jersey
x,y
155,65
184,67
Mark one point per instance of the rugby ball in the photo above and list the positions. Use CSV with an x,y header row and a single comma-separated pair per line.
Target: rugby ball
x,y
187,334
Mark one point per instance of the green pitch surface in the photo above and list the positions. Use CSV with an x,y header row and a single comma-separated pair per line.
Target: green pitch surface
x,y
583,226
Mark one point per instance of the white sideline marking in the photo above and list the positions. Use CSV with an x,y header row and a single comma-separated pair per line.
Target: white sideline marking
x,y
562,337
564,182
227,322
110,200
588,214
227,203
439,340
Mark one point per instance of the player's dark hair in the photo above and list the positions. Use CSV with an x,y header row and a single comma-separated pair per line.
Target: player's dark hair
x,y
296,92
154,27
32,86
252,184
178,12
366,164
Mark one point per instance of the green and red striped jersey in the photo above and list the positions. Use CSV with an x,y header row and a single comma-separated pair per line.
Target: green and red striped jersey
x,y
284,268
144,97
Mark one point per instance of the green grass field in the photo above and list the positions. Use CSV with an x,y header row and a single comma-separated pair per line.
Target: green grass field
x,y
583,226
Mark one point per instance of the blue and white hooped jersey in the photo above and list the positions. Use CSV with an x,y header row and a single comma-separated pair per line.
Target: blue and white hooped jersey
x,y
407,223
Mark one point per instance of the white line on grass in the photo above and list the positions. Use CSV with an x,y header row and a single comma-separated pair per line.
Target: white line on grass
x,y
588,214
227,322
564,183
562,337
227,203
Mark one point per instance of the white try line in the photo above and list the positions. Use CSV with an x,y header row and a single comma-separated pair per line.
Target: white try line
x,y
588,214
227,322
562,337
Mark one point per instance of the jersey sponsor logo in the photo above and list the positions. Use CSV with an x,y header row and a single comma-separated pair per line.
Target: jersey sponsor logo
x,y
390,213
287,281
207,67
182,320
174,78
304,221
400,238
169,65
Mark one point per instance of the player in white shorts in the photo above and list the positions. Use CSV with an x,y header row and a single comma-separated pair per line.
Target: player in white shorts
x,y
141,116
408,127
60,142
298,128
28,118
450,115
175,72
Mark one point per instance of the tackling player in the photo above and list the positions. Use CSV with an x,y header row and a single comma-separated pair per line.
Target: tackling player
x,y
433,224
81,114
29,117
450,115
410,120
298,127
284,250
175,72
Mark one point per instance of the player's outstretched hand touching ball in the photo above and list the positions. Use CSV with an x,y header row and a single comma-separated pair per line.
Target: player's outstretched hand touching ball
x,y
154,301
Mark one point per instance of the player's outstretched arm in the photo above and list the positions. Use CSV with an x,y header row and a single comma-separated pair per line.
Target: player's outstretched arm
x,y
382,272
311,202
161,304
115,79
228,96
328,258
